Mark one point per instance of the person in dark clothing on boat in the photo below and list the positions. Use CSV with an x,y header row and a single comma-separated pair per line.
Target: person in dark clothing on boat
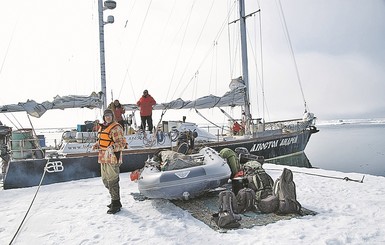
x,y
119,112
110,143
145,103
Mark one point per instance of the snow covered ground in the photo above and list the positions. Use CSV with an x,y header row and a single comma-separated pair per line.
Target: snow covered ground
x,y
75,213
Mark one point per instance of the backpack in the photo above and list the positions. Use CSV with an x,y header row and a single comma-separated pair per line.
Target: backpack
x,y
258,180
285,190
269,204
289,206
226,218
245,200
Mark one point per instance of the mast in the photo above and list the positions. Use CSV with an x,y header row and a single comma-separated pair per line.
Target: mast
x,y
245,72
110,19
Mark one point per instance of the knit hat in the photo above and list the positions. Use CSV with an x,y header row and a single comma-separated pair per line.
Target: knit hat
x,y
108,112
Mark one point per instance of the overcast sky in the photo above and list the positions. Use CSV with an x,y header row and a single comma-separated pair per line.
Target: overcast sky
x,y
50,48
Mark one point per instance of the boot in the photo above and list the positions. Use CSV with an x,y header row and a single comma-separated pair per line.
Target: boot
x,y
110,205
115,207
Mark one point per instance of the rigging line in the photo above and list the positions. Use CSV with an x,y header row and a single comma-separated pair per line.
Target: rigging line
x,y
211,68
206,119
140,31
231,68
127,74
259,75
221,29
33,129
9,45
235,54
157,48
132,88
197,72
253,51
212,47
129,14
324,176
179,53
292,52
227,115
12,121
20,126
264,102
121,37
137,39
196,88
192,79
6,54
229,46
237,43
262,80
216,70
188,84
196,43
226,21
171,45
35,135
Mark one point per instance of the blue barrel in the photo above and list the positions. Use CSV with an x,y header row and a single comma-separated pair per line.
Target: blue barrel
x,y
41,138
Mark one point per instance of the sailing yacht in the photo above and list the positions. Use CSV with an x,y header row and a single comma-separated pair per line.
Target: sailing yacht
x,y
29,165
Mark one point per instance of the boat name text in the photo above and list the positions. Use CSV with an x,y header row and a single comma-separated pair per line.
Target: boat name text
x,y
274,144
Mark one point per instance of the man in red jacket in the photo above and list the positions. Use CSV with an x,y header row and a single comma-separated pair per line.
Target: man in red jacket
x,y
145,103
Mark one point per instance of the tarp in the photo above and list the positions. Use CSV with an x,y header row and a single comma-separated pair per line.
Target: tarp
x,y
204,206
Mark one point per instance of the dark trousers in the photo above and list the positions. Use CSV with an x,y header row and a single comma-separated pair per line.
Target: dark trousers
x,y
110,178
147,119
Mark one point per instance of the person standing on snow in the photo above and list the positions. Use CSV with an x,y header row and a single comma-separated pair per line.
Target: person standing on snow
x,y
110,143
145,103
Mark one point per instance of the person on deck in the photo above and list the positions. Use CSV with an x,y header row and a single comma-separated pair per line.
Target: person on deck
x,y
110,143
119,112
145,103
236,128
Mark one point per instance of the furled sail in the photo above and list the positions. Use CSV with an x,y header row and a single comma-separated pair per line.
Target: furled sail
x,y
234,97
60,102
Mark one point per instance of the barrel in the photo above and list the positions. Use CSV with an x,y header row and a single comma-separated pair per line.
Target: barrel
x,y
41,138
24,145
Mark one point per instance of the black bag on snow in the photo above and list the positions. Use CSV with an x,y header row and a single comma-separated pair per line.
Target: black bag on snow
x,y
269,204
258,180
285,190
289,206
226,218
245,200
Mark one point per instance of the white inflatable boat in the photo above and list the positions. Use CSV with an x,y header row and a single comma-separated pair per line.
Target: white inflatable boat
x,y
209,171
